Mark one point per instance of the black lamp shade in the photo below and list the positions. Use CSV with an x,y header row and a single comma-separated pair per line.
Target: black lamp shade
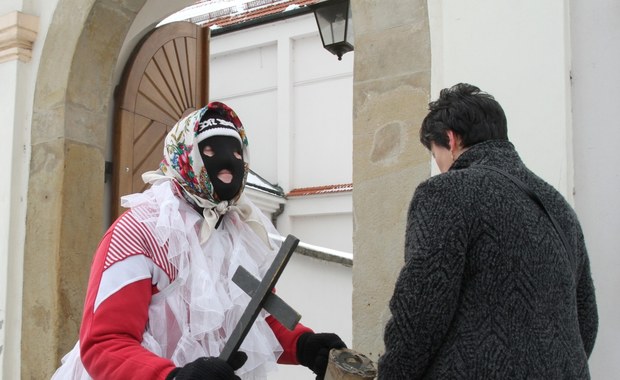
x,y
333,18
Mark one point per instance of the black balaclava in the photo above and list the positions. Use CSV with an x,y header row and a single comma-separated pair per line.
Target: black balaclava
x,y
224,164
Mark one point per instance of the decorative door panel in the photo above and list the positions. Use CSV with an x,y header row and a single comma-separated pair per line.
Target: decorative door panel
x,y
165,79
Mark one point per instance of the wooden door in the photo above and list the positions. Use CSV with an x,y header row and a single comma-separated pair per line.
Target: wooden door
x,y
165,79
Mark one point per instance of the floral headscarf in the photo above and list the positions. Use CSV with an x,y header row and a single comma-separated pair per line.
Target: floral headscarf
x,y
183,162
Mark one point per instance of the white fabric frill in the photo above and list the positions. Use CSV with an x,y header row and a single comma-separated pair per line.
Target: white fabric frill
x,y
71,368
194,316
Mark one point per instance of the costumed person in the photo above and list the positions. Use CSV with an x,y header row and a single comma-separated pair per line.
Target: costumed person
x,y
160,302
491,288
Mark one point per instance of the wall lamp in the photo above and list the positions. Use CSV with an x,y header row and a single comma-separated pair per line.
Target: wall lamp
x,y
333,17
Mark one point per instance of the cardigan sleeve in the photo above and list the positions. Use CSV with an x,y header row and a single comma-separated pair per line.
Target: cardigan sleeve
x,y
427,290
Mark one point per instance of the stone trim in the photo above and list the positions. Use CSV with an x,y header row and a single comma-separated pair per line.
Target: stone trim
x,y
321,253
17,34
324,254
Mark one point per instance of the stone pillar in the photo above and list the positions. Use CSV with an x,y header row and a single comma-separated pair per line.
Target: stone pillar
x,y
65,191
390,98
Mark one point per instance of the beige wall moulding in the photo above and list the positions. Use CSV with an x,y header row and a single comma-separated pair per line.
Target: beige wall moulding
x,y
17,34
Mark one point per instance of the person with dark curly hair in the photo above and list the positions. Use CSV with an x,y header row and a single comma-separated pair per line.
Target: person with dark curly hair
x,y
496,282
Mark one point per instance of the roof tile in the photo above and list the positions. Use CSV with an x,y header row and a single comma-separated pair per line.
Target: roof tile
x,y
329,189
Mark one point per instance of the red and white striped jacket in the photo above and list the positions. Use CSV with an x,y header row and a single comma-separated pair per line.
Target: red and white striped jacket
x,y
129,267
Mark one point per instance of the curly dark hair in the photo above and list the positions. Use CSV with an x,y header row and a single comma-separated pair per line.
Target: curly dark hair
x,y
473,115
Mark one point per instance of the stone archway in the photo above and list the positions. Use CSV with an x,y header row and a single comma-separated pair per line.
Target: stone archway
x,y
65,216
70,118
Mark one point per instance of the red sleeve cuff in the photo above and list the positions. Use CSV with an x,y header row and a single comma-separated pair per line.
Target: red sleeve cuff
x,y
288,339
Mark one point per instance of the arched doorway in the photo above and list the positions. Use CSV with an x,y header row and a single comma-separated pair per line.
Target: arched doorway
x,y
166,78
71,113
65,206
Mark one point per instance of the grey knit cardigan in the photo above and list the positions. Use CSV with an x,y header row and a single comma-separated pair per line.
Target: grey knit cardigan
x,y
488,290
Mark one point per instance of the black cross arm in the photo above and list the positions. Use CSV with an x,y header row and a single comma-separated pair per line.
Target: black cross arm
x,y
258,300
274,305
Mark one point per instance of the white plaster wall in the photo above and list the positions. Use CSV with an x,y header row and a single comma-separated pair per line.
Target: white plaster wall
x,y
8,72
322,115
306,132
596,80
16,103
322,220
326,229
518,52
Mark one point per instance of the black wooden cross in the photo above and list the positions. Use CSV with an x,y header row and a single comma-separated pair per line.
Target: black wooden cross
x,y
262,298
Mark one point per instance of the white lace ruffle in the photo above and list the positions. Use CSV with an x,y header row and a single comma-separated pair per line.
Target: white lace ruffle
x,y
195,315
72,368
197,312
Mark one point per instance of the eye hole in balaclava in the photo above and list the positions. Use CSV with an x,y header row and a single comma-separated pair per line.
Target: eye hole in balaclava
x,y
223,159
